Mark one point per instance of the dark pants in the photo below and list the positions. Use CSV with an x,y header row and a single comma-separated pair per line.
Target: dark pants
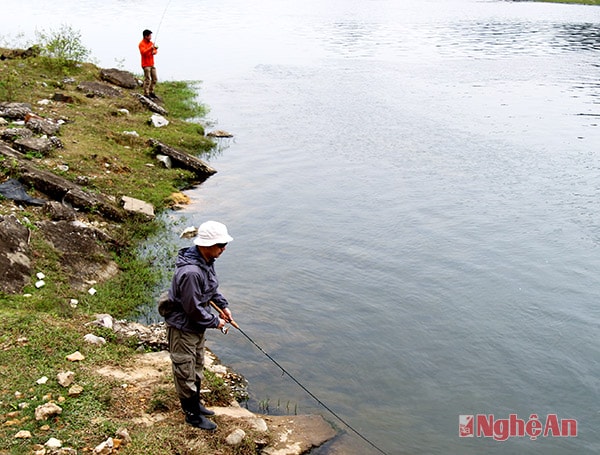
x,y
187,359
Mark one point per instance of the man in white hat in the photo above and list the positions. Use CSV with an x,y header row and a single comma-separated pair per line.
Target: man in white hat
x,y
193,287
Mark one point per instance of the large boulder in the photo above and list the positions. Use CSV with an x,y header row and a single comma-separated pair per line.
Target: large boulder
x,y
118,77
15,262
15,111
84,251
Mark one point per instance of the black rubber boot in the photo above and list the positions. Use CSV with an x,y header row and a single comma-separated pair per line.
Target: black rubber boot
x,y
203,410
191,409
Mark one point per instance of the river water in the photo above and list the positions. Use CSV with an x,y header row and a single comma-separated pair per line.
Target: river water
x,y
413,191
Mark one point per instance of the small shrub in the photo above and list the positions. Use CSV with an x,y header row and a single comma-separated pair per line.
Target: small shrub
x,y
64,45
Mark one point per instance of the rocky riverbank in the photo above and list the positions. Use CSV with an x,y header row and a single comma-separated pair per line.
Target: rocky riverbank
x,y
85,162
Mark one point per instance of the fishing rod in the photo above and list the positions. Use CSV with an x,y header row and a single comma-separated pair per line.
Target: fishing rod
x,y
160,23
319,401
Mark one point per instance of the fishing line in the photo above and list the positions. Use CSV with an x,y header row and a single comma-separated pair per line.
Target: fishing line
x,y
333,413
161,21
364,438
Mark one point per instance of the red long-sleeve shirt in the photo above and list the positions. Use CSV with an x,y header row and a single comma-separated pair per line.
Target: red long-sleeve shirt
x,y
147,51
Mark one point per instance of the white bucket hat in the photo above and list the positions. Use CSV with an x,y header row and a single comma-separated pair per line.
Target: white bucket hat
x,y
211,233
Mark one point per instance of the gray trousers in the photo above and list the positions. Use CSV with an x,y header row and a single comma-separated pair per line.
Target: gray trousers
x,y
187,361
150,79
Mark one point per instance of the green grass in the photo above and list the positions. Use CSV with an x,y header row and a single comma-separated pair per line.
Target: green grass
x,y
37,332
94,137
33,345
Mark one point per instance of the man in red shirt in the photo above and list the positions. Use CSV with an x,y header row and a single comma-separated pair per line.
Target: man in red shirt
x,y
148,50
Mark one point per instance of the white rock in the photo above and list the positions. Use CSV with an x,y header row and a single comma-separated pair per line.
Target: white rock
x,y
43,411
42,380
65,378
236,437
158,120
75,390
105,447
23,434
93,339
165,160
92,291
40,276
131,133
260,425
104,320
53,443
39,284
75,357
73,303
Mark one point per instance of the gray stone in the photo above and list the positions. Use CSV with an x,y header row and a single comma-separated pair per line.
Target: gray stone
x,y
219,133
236,437
137,206
14,110
41,145
15,264
295,435
151,104
100,89
119,77
57,211
12,134
42,125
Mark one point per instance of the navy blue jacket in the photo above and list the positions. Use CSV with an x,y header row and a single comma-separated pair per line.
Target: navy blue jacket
x,y
194,284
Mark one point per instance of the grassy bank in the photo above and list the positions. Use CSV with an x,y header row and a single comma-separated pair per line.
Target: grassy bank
x,y
38,327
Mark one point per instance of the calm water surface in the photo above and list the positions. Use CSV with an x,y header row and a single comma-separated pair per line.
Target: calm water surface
x,y
413,190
